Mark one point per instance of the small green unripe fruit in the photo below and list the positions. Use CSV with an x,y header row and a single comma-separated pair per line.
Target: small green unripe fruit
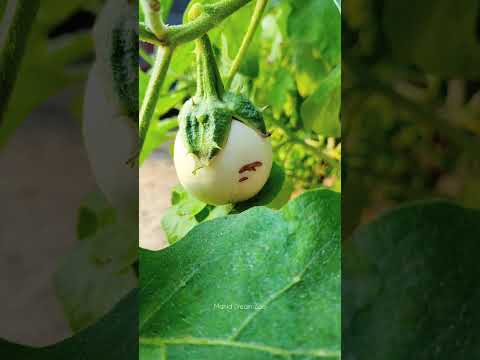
x,y
237,173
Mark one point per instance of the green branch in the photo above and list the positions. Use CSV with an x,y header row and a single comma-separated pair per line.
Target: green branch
x,y
252,27
155,83
147,36
167,38
153,17
211,16
15,28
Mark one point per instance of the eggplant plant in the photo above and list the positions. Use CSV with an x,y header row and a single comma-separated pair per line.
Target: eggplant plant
x,y
249,272
221,153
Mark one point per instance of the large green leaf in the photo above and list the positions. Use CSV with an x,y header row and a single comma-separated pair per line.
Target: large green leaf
x,y
411,285
114,337
263,284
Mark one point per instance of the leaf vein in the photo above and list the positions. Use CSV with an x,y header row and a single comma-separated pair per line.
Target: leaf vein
x,y
164,342
160,305
296,279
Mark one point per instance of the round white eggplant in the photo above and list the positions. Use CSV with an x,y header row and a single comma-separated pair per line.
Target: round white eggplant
x,y
237,173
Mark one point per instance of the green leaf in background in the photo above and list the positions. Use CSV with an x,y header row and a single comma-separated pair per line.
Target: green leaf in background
x,y
94,213
411,285
275,82
439,36
172,96
263,284
233,28
114,337
166,7
321,110
314,28
166,100
179,219
88,287
98,272
158,133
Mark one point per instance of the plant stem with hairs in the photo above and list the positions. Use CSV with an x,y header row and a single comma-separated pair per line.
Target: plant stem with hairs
x,y
159,71
212,15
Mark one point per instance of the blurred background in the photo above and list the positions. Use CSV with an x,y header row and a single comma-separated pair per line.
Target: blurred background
x,y
410,126
410,105
54,281
47,184
45,171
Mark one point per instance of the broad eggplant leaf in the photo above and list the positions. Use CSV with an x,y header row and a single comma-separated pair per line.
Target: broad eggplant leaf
x,y
410,285
115,336
262,284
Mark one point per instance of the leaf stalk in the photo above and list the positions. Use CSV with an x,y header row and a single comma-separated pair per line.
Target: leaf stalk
x,y
252,27
157,78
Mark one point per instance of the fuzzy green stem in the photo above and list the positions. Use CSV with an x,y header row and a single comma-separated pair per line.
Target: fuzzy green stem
x,y
145,35
159,72
212,15
17,22
209,81
252,27
153,18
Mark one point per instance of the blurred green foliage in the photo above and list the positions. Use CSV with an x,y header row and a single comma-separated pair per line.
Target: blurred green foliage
x,y
410,103
56,63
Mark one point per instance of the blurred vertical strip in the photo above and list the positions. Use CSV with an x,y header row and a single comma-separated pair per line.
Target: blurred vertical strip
x,y
17,20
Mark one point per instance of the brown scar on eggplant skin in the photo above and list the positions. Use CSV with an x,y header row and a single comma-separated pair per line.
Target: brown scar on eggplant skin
x,y
250,167
243,179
